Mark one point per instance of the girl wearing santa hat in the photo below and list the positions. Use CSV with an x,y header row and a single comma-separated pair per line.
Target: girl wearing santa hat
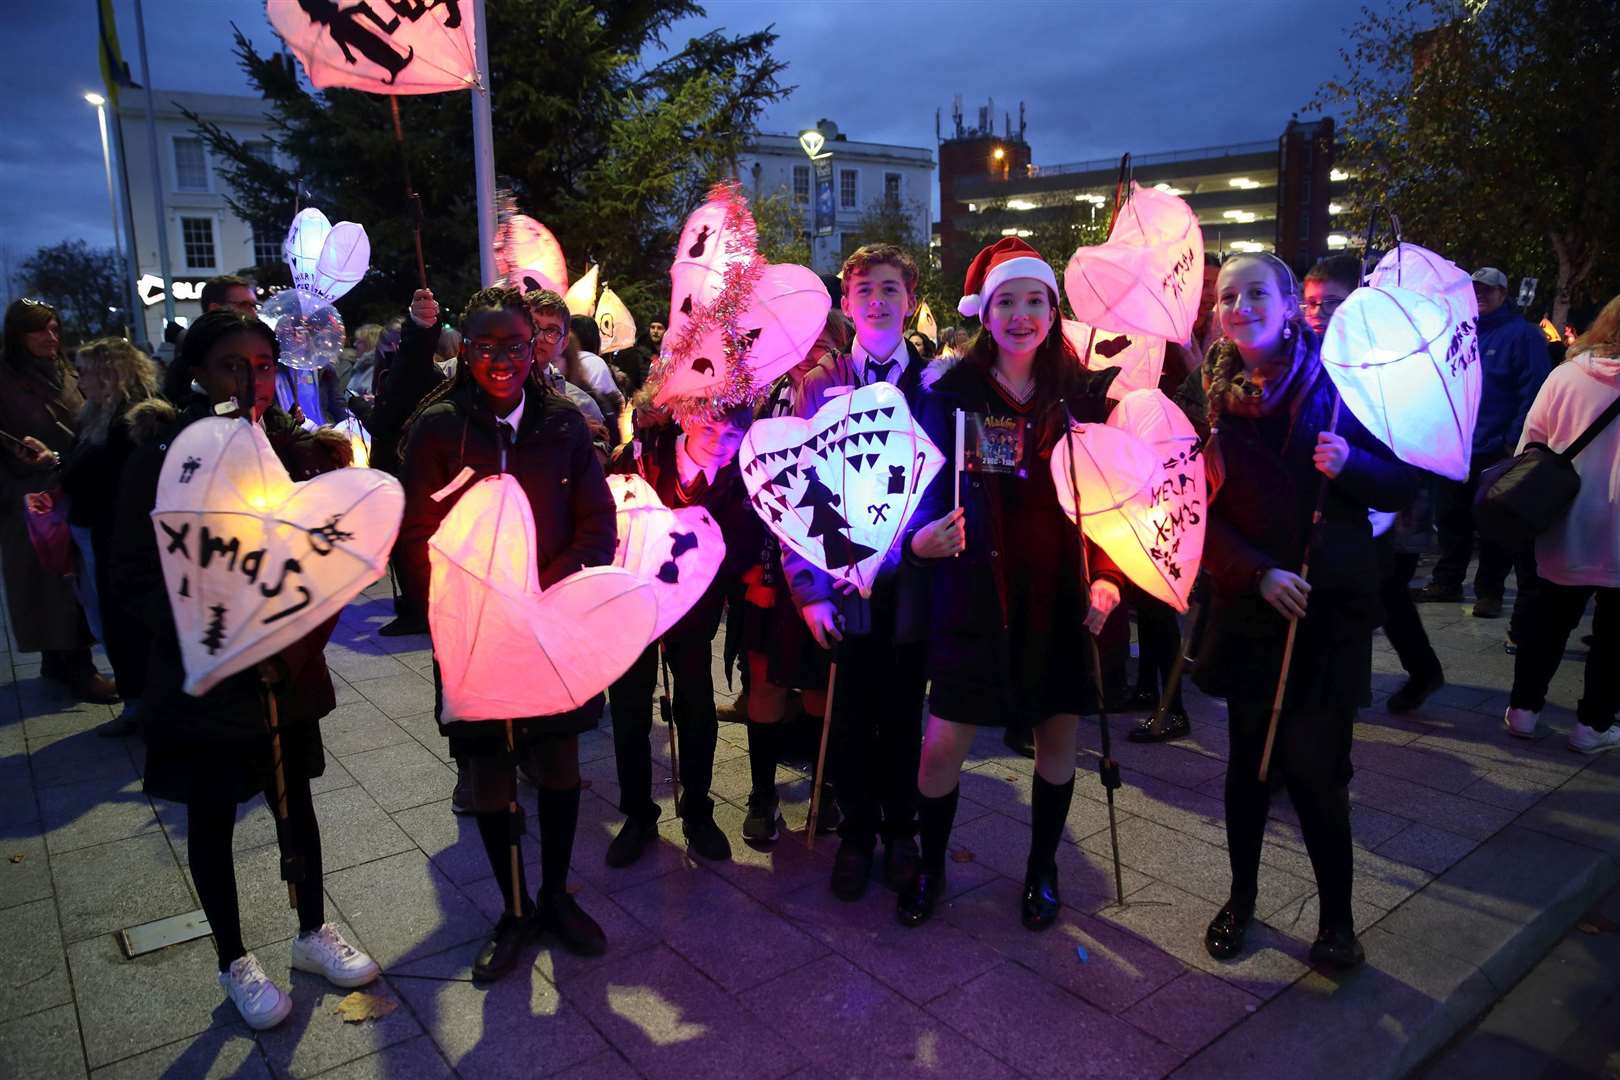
x,y
1010,603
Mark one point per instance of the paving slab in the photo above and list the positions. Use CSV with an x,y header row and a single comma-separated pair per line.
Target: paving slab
x,y
404,693
355,830
33,968
358,726
403,908
1192,1011
402,776
25,872
130,1006
415,1059
1426,847
1001,845
222,1053
79,757
118,884
79,815
42,1044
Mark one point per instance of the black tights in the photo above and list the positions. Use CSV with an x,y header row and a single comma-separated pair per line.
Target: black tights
x,y
209,827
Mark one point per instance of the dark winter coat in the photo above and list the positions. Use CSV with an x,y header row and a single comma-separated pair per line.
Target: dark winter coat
x,y
92,478
552,459
1514,362
218,741
402,380
1261,518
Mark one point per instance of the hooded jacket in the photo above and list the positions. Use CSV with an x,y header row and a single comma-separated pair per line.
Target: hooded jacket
x,y
1515,362
1583,548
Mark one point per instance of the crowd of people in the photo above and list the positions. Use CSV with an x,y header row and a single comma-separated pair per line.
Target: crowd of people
x,y
978,619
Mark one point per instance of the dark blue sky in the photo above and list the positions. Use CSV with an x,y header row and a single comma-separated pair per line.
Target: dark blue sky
x,y
1099,77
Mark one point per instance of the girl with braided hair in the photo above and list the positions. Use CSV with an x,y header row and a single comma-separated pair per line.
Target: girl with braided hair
x,y
497,416
1273,444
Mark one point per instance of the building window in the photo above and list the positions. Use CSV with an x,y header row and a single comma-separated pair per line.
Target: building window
x,y
197,236
891,189
267,240
846,189
190,165
801,185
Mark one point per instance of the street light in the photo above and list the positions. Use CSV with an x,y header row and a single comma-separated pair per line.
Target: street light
x,y
100,104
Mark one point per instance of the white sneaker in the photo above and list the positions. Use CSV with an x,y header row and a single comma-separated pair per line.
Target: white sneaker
x,y
324,952
1522,722
260,1001
1587,741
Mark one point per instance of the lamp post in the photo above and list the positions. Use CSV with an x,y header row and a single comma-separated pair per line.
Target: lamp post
x,y
100,104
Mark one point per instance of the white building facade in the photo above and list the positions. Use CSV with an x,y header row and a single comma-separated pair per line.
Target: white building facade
x,y
835,183
205,236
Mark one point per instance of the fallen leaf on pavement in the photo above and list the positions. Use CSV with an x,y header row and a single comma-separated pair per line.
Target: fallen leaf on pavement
x,y
360,1006
961,855
18,858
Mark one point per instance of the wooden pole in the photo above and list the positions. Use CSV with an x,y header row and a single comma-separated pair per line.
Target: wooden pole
x,y
279,771
1293,624
667,709
410,190
1184,658
512,830
821,758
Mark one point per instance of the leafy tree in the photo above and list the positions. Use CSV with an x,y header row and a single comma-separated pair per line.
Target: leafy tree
x,y
84,284
782,228
610,148
1489,129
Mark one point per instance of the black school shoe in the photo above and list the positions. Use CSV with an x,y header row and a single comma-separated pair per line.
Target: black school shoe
x,y
1415,692
1437,594
1224,938
563,918
1175,724
918,900
852,868
501,951
630,842
1337,949
900,862
1039,909
704,837
1488,607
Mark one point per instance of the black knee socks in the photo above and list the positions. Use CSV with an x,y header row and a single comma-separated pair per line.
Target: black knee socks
x,y
497,830
1049,810
559,817
934,819
763,750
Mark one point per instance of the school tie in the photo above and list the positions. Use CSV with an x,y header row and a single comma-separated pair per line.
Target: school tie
x,y
878,370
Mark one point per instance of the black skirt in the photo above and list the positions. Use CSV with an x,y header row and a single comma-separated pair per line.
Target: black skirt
x,y
234,771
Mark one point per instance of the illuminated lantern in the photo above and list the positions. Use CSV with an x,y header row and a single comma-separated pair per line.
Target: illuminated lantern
x,y
614,321
359,440
677,552
253,561
1140,358
840,487
1155,534
528,256
581,295
505,649
926,326
1148,277
326,260
736,323
388,48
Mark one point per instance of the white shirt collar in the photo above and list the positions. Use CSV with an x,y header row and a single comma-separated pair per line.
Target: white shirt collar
x,y
514,418
862,358
687,469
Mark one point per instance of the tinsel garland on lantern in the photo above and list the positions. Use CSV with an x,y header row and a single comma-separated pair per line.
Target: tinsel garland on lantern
x,y
744,265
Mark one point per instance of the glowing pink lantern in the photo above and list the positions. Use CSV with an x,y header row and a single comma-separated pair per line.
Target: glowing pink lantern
x,y
253,561
678,552
528,256
505,649
1153,529
417,47
1140,358
840,487
1148,277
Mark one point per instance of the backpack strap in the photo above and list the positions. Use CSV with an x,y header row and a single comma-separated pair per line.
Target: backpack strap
x,y
1604,419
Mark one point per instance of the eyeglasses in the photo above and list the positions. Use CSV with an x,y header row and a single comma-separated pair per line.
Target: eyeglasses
x,y
1326,307
550,335
516,350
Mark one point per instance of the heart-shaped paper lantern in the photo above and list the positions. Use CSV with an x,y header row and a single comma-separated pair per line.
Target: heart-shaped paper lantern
x,y
1161,545
1148,277
1407,373
308,330
505,649
614,322
1140,358
840,487
420,47
581,295
326,260
678,552
252,560
528,256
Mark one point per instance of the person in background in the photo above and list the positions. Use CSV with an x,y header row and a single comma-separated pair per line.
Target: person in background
x,y
1514,360
921,344
228,292
585,369
40,404
1578,559
655,334
446,350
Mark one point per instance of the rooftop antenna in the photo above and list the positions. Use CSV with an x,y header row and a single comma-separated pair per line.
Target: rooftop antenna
x,y
1020,121
983,114
956,114
936,126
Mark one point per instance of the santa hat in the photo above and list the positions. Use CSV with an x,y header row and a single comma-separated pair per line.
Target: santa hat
x,y
1002,261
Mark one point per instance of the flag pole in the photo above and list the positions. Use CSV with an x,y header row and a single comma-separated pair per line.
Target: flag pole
x,y
157,172
484,149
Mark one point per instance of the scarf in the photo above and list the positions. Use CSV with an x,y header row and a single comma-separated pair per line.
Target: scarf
x,y
1231,389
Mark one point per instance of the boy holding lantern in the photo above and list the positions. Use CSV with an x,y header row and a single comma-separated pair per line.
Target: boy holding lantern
x,y
877,718
692,463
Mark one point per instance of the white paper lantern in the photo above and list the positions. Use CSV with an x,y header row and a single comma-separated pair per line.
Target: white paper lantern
x,y
326,260
677,552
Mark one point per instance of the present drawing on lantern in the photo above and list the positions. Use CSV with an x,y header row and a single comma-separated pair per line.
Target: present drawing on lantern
x,y
1143,497
505,649
839,487
1403,351
254,561
1147,277
394,48
677,552
736,323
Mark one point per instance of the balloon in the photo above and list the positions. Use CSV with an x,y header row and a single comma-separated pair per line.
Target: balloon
x,y
1148,277
1409,374
326,260
677,552
309,330
253,561
581,295
1140,358
840,487
528,255
505,649
393,48
614,321
1142,492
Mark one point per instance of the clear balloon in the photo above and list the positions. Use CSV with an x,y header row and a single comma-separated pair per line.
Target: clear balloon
x,y
309,329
